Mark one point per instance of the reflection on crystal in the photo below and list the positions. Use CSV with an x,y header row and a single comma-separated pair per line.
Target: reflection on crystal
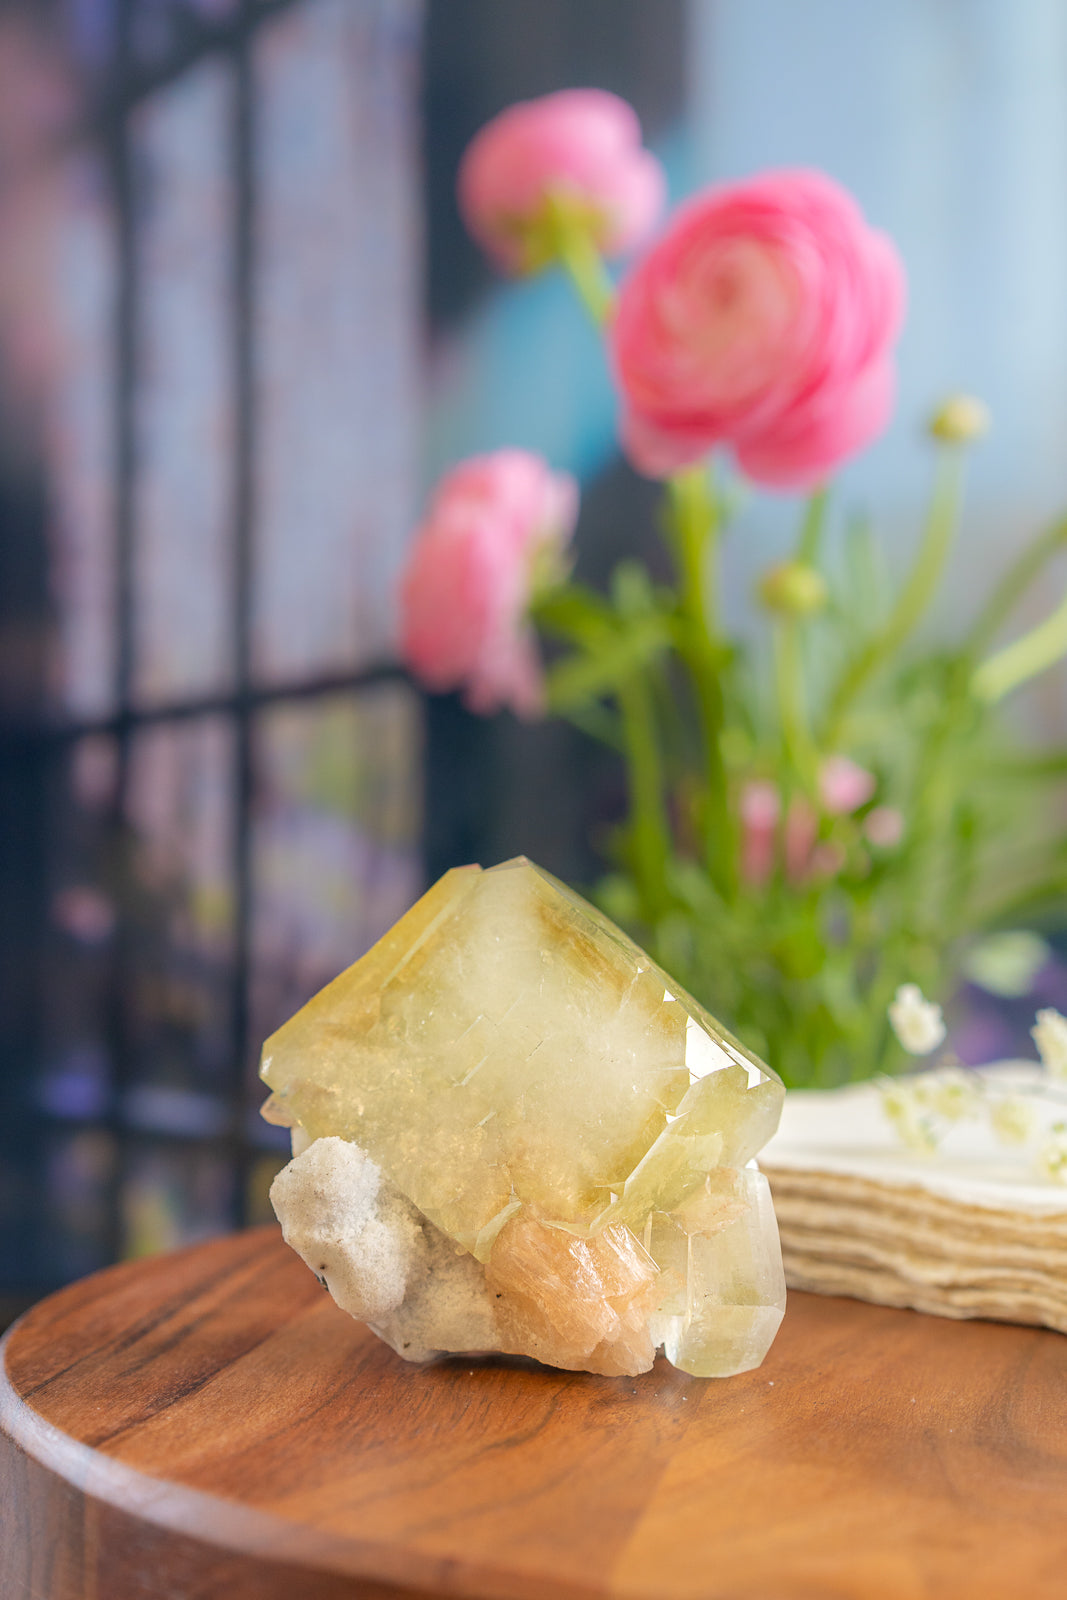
x,y
524,1085
702,1054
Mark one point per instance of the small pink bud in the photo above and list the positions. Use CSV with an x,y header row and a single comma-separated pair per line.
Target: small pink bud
x,y
827,859
760,808
844,786
801,831
884,827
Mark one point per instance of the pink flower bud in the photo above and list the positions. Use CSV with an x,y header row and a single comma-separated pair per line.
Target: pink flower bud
x,y
468,580
801,832
764,320
760,809
579,147
884,827
844,786
827,859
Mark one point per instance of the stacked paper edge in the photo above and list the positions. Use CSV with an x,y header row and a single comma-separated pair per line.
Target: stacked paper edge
x,y
969,1231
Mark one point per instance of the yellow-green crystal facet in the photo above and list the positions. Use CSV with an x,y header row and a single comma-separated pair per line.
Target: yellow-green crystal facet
x,y
542,1093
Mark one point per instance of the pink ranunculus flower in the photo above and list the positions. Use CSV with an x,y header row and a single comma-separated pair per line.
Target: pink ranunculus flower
x,y
763,320
844,786
467,584
579,146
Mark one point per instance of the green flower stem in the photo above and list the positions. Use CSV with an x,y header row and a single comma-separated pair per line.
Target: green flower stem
x,y
812,526
649,826
924,905
577,253
696,528
934,898
1014,585
792,708
695,524
913,599
800,749
1042,647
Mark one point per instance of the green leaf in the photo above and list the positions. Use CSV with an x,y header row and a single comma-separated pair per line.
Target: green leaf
x,y
1007,963
598,722
1041,765
632,591
574,612
584,677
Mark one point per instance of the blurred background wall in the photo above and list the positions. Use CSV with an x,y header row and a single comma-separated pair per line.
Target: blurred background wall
x,y
241,330
211,335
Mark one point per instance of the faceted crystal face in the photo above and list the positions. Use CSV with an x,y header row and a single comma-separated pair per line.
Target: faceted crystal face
x,y
553,1103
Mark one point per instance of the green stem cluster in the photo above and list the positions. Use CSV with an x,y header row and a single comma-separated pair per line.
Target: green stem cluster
x,y
803,965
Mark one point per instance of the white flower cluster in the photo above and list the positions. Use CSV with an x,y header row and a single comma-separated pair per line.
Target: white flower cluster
x,y
1052,1157
1049,1033
917,1022
924,1106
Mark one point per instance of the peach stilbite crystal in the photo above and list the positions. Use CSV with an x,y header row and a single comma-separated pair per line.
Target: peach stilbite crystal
x,y
512,1131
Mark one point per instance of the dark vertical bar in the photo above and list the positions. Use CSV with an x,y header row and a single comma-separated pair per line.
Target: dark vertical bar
x,y
123,186
244,494
126,362
26,789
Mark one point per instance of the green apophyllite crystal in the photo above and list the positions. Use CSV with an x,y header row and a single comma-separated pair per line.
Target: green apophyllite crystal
x,y
549,1099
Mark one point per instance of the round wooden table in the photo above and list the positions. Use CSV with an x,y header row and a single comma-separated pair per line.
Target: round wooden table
x,y
209,1424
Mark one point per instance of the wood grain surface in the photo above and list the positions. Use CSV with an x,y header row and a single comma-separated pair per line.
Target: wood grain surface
x,y
209,1424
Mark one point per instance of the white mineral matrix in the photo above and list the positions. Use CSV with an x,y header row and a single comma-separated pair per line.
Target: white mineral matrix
x,y
513,1132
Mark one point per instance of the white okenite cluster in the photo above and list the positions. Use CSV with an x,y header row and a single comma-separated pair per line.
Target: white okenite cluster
x,y
381,1260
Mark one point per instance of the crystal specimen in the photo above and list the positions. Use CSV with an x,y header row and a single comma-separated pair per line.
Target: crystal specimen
x,y
512,1131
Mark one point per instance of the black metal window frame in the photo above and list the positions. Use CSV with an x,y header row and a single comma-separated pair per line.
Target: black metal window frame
x,y
107,125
